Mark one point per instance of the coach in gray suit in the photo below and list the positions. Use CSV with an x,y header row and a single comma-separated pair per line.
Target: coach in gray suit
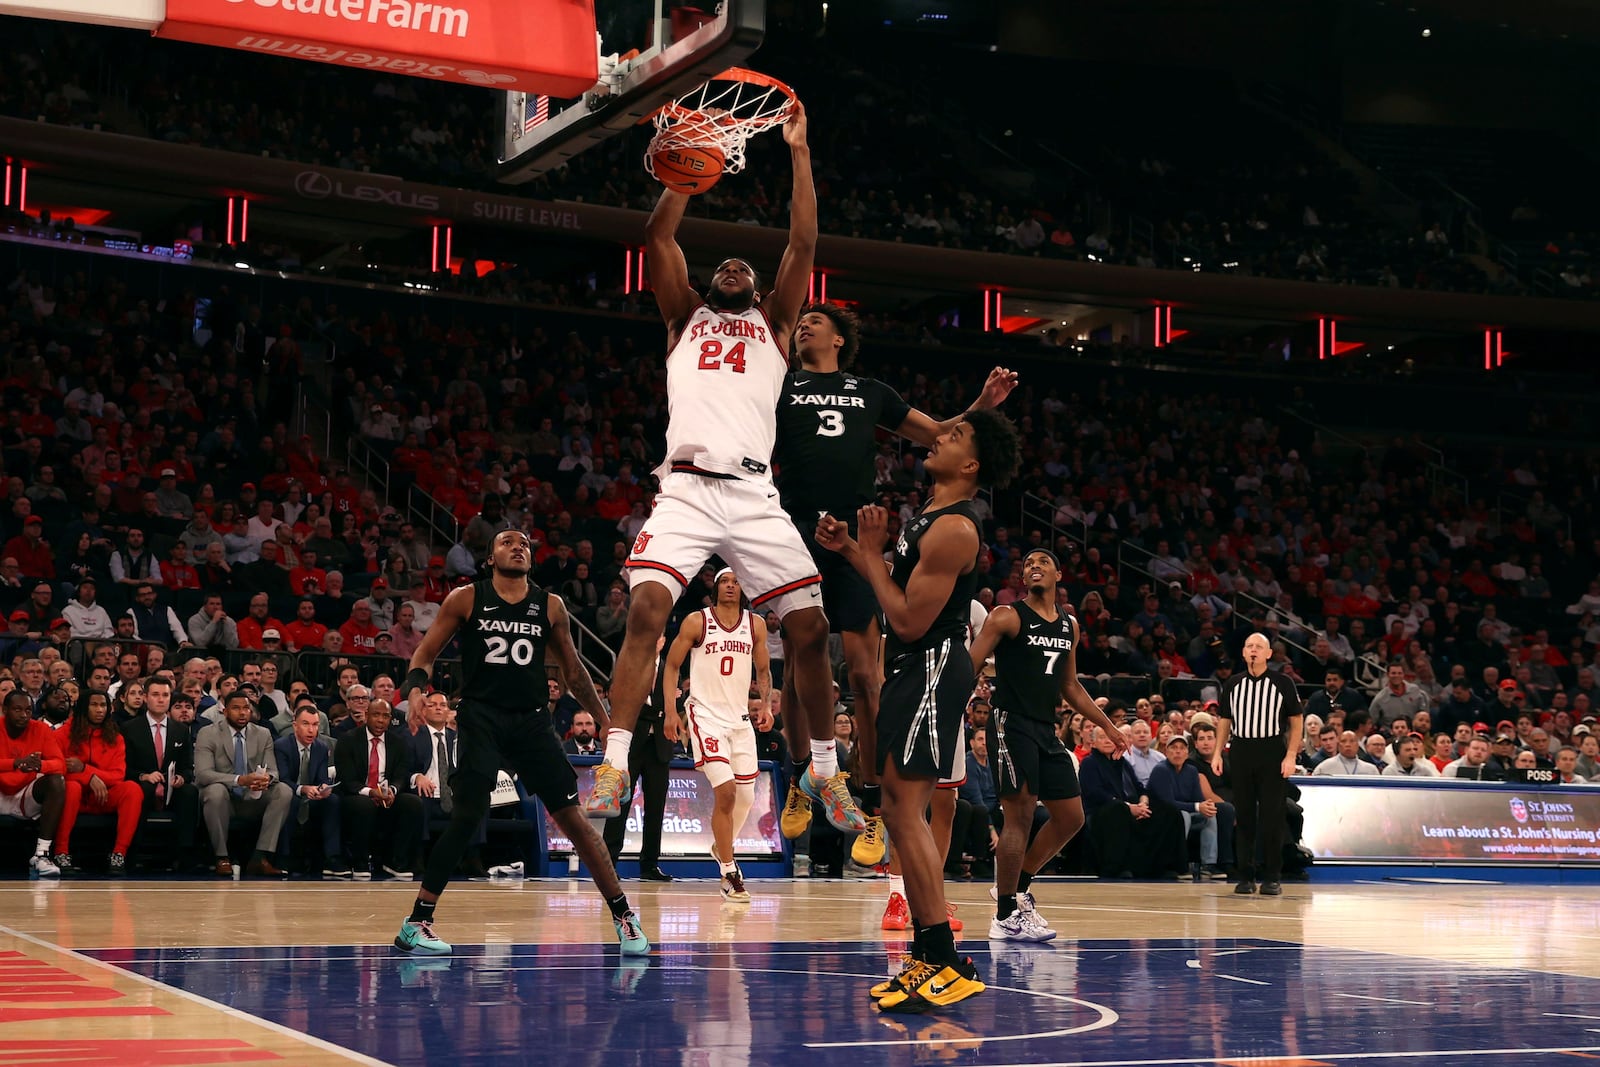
x,y
237,773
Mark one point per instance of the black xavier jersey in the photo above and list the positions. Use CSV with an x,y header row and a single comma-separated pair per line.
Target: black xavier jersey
x,y
954,617
1029,666
502,648
827,426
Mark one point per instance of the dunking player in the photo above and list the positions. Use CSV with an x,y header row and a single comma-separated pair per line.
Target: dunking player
x,y
827,421
507,626
725,644
726,361
925,601
1035,662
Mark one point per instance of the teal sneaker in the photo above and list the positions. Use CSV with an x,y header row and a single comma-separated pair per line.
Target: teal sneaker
x,y
419,938
631,935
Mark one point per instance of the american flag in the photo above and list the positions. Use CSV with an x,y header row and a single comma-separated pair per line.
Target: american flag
x,y
535,109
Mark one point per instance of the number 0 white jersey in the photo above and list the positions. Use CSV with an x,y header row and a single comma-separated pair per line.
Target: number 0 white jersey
x,y
721,668
724,381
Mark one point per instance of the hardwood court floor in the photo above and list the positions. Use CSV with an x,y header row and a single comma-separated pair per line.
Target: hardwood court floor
x,y
195,972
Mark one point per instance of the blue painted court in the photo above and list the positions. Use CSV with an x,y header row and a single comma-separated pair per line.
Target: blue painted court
x,y
1095,1002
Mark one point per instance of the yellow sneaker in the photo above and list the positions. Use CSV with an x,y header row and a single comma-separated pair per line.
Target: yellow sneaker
x,y
933,986
796,818
910,968
610,790
872,846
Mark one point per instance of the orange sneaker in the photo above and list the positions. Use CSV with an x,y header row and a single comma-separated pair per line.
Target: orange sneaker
x,y
956,925
610,789
897,913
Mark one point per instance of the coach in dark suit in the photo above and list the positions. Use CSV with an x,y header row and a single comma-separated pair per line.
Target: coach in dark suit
x,y
649,760
378,803
433,757
306,761
155,746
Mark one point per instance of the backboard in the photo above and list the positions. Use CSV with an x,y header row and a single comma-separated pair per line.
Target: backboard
x,y
538,133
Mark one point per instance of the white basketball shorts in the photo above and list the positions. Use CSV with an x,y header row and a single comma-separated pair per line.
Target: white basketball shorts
x,y
697,515
723,746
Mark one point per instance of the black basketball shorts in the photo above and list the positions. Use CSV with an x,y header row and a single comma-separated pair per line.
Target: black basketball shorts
x,y
1025,755
523,742
847,597
922,709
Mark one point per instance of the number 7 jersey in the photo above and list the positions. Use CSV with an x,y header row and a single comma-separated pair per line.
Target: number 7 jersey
x,y
723,381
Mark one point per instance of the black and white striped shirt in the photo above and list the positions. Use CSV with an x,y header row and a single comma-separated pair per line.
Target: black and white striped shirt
x,y
1259,707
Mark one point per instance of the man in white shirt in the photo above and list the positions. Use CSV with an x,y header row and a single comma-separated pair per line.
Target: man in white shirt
x,y
262,526
1347,762
85,615
1141,757
1408,762
423,610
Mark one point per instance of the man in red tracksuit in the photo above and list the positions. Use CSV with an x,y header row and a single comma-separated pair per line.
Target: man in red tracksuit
x,y
32,785
97,765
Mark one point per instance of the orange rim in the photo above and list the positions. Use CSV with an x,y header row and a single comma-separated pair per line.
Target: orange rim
x,y
678,113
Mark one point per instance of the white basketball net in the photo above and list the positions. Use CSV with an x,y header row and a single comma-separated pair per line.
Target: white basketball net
x,y
723,113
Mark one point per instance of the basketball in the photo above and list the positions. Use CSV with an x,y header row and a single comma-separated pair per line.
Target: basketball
x,y
690,170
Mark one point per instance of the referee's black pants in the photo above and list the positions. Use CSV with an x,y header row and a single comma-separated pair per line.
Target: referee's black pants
x,y
1260,793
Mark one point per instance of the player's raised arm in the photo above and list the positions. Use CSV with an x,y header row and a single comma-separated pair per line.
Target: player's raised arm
x,y
669,271
455,610
921,428
565,654
948,550
1079,700
794,272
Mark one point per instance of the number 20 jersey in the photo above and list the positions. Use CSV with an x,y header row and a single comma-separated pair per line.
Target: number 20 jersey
x,y
827,432
723,381
502,649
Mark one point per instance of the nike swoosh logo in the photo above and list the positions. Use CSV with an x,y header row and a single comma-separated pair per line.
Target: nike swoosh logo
x,y
935,989
1035,625
491,607
572,796
802,381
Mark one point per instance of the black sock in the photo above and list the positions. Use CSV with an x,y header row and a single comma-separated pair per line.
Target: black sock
x,y
800,766
938,943
1024,880
619,906
422,911
1005,906
872,799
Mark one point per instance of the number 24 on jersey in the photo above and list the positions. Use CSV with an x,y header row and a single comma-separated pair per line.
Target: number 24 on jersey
x,y
712,357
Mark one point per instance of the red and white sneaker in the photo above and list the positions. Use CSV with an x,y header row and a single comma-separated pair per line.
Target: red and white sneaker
x,y
956,925
897,913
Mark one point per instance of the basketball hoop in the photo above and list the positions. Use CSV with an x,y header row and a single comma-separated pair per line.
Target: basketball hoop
x,y
722,114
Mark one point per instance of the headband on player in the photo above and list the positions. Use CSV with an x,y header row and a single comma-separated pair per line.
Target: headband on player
x,y
725,570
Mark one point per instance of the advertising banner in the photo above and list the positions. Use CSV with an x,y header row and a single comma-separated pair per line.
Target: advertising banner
x,y
1525,824
544,46
686,828
135,14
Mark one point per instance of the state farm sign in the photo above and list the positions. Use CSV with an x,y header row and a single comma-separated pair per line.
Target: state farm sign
x,y
541,46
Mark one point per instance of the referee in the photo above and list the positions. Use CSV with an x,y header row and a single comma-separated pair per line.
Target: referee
x,y
1260,710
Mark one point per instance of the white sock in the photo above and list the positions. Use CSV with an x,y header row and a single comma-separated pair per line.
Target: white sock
x,y
824,759
617,744
727,868
43,847
897,884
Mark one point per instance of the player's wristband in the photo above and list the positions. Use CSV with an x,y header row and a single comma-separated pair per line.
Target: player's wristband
x,y
416,678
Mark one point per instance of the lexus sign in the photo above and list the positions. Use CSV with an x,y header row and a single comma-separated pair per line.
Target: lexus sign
x,y
315,185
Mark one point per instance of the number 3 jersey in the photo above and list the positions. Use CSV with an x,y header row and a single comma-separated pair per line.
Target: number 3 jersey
x,y
502,649
723,381
827,426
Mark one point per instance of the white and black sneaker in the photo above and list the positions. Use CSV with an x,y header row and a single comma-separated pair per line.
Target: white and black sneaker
x,y
1018,927
42,867
1025,903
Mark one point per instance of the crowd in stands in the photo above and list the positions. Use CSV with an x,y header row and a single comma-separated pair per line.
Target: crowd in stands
x,y
158,505
893,162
